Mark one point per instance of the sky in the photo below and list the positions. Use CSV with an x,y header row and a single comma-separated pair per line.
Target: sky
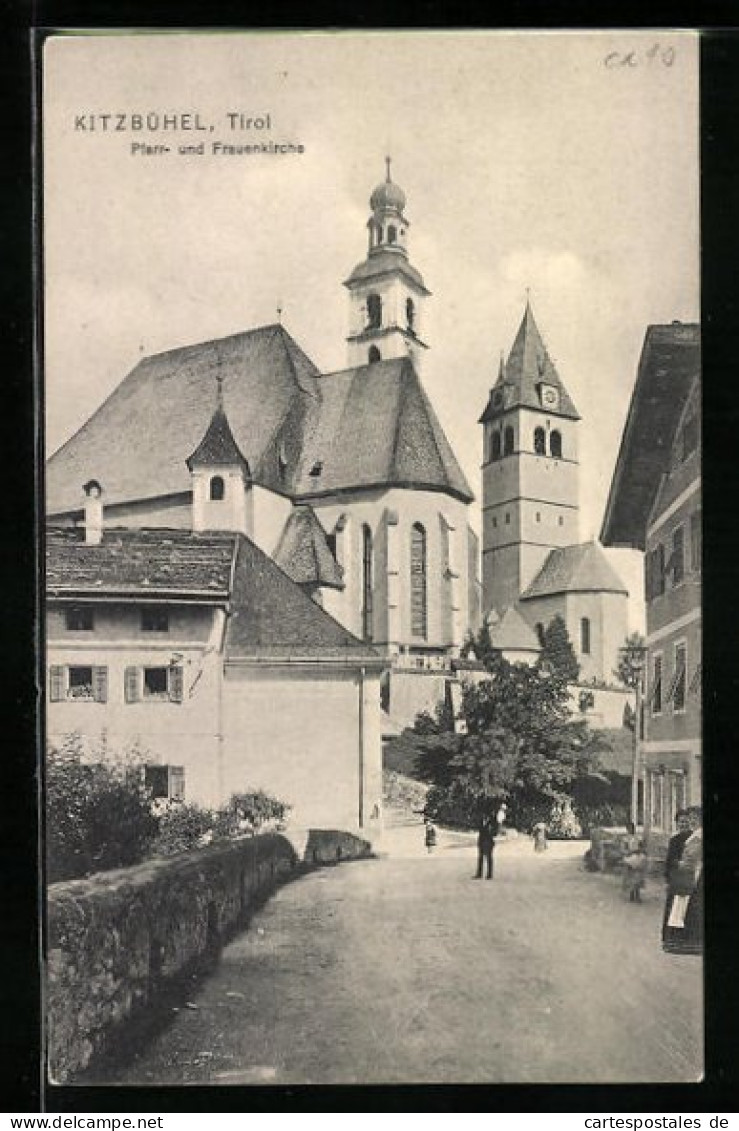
x,y
562,163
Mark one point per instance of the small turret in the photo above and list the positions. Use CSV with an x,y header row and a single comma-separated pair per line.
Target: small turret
x,y
221,477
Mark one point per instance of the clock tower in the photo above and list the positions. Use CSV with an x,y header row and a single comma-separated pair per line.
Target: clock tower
x,y
529,469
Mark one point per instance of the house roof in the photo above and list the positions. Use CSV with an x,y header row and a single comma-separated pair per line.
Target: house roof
x,y
510,632
138,441
575,569
376,428
273,617
304,554
386,262
218,447
139,563
668,367
529,366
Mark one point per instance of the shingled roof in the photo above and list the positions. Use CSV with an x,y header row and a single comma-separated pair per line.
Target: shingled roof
x,y
377,428
575,569
304,554
139,563
138,441
529,366
669,366
218,447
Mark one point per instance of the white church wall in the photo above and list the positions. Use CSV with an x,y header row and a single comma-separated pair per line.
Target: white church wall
x,y
270,512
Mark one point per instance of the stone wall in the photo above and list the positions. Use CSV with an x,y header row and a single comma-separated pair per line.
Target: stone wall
x,y
117,940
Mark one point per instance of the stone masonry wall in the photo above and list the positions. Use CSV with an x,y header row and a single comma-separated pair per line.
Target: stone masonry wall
x,y
116,940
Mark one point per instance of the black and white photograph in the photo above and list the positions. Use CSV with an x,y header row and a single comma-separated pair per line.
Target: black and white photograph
x,y
373,536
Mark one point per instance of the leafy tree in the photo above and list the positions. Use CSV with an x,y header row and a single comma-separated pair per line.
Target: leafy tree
x,y
557,651
630,661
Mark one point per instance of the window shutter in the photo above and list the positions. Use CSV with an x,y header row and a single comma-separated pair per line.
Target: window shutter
x,y
177,783
100,684
131,685
56,683
175,683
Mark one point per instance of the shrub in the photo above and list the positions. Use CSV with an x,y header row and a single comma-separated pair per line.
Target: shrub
x,y
182,826
250,813
98,811
563,824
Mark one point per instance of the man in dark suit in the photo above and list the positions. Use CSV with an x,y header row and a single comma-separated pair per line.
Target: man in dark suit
x,y
485,845
677,843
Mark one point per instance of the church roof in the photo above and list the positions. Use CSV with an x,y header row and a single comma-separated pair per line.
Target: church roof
x,y
217,447
270,615
385,262
304,554
668,368
138,441
575,569
377,428
511,633
529,366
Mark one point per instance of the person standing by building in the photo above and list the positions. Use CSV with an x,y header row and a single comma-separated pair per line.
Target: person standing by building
x,y
485,844
682,932
540,836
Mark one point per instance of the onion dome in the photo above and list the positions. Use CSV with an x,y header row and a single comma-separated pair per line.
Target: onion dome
x,y
387,194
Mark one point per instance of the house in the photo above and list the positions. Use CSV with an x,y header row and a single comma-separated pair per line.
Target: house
x,y
654,505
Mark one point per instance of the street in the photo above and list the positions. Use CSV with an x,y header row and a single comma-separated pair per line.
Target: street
x,y
404,969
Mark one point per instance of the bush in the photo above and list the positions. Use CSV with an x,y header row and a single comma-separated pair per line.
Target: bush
x,y
250,813
182,826
98,811
563,824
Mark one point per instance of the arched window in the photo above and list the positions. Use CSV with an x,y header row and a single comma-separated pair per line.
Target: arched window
x,y
379,233
374,354
495,445
585,636
392,234
419,624
508,441
410,312
555,444
374,312
366,582
540,441
217,489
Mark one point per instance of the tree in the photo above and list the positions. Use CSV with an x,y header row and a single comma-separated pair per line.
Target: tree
x,y
557,650
630,661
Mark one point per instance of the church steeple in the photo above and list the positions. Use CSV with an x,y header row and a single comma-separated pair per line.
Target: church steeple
x,y
221,478
386,291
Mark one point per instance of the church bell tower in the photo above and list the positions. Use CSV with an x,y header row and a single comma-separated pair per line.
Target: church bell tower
x,y
386,291
530,469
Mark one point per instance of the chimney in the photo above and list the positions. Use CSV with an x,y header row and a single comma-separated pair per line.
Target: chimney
x,y
93,512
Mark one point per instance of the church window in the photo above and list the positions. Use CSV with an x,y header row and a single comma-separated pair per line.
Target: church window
x,y
379,233
495,521
561,520
373,355
508,441
374,312
538,516
217,489
540,442
419,625
507,518
392,233
366,583
410,313
495,446
555,444
585,636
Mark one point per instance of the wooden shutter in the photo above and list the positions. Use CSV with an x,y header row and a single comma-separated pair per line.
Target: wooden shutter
x,y
56,683
131,685
177,783
100,684
175,683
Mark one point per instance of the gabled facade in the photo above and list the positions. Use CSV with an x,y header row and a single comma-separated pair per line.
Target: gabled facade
x,y
655,506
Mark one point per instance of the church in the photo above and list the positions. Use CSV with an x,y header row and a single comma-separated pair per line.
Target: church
x,y
533,565
342,492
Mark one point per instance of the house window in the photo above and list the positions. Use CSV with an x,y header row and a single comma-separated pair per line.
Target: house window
x,y
374,312
80,620
655,580
495,522
585,636
689,437
83,682
656,692
154,683
155,620
373,355
540,441
555,444
495,445
217,489
677,691
677,560
695,541
366,583
508,441
419,626
165,782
